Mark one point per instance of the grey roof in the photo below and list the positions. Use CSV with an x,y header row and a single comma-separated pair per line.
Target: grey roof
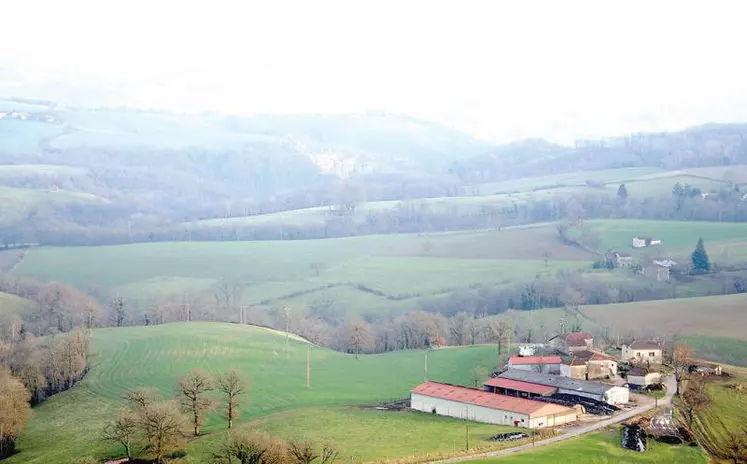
x,y
558,381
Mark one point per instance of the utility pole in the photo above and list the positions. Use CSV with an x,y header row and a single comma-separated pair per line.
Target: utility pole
x,y
467,449
242,314
287,329
308,366
425,367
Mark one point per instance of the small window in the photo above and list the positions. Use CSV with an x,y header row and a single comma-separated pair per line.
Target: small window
x,y
651,354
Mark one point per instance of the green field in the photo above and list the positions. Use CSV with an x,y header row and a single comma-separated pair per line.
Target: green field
x,y
402,267
678,237
65,428
602,448
11,304
366,435
725,413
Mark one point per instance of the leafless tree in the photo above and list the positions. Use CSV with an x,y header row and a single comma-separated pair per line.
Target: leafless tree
x,y
194,388
303,452
359,337
162,425
681,359
246,447
14,410
123,430
142,397
695,397
232,384
329,454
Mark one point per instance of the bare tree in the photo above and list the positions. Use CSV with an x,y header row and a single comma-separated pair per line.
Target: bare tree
x,y
303,452
14,410
736,445
142,397
695,397
123,431
681,359
359,337
246,447
329,454
162,425
232,384
227,294
478,375
194,388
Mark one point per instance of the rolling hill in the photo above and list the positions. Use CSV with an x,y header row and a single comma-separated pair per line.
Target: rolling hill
x,y
65,429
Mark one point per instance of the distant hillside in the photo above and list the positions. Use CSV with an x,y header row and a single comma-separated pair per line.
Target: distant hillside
x,y
706,145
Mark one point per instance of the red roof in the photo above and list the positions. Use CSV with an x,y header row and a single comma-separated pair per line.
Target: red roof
x,y
488,400
524,360
520,386
578,336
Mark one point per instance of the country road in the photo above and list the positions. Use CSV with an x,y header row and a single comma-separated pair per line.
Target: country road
x,y
573,431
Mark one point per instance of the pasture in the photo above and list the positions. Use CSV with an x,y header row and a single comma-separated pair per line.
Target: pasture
x,y
602,448
724,415
367,435
678,237
398,266
65,429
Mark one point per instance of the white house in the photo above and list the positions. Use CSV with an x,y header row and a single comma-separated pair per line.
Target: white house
x,y
643,242
491,408
642,352
546,364
665,262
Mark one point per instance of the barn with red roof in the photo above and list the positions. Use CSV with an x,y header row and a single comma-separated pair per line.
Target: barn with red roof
x,y
491,408
544,364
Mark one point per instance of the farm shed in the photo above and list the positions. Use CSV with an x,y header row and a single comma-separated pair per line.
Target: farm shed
x,y
589,365
546,364
597,391
491,408
517,388
641,377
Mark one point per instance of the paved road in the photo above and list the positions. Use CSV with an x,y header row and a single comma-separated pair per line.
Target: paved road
x,y
574,431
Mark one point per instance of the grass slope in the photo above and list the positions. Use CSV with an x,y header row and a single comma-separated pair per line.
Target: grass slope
x,y
602,448
66,427
11,304
725,414
365,435
400,266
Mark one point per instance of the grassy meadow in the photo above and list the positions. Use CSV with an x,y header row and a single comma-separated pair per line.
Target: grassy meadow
x,y
602,448
65,428
724,414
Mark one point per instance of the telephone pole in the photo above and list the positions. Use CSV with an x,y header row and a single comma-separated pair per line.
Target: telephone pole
x,y
287,329
308,366
467,418
242,314
425,367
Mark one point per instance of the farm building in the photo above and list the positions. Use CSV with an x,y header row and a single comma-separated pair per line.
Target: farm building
x,y
705,368
623,259
574,341
643,242
491,408
642,377
589,365
546,364
642,352
655,271
517,388
597,391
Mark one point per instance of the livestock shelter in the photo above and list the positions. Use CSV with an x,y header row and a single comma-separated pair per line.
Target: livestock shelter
x,y
491,408
517,388
609,394
547,364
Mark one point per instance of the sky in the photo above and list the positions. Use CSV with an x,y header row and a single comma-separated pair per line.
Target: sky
x,y
499,70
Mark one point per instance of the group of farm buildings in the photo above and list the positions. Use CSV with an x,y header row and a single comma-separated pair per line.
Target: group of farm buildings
x,y
519,395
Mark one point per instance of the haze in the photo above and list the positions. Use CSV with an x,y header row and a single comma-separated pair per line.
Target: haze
x,y
501,72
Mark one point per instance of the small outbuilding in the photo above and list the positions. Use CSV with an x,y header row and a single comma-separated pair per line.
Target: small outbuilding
x,y
641,377
491,408
546,364
642,352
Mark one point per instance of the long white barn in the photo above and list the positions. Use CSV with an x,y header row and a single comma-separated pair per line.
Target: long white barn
x,y
491,408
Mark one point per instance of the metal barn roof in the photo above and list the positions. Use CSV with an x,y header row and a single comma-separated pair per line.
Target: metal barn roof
x,y
520,386
524,360
489,400
558,381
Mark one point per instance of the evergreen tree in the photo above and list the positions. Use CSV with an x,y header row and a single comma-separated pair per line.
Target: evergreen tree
x,y
678,191
701,264
622,192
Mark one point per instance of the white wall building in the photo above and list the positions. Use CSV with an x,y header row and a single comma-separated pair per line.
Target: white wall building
x,y
491,408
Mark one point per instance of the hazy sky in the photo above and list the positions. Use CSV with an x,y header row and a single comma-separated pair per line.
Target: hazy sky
x,y
500,70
